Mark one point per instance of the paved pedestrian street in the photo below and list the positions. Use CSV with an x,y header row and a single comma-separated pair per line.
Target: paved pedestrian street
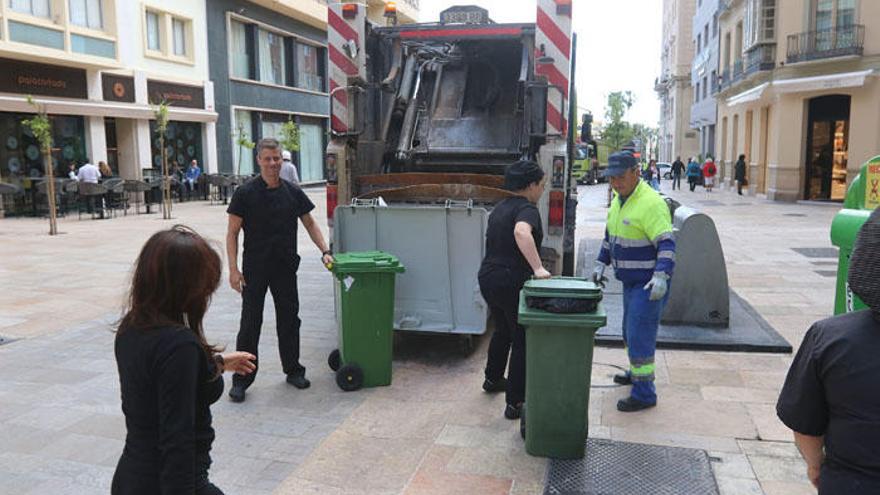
x,y
433,431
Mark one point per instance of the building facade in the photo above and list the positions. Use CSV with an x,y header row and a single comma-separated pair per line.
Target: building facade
x,y
799,94
673,87
96,66
704,75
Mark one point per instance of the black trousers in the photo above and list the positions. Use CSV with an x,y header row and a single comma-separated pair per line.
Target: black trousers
x,y
500,289
676,181
693,184
280,278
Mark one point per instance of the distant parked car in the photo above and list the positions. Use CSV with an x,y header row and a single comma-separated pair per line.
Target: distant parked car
x,y
665,170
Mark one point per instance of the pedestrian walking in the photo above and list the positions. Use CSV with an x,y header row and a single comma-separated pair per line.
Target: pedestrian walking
x,y
830,397
677,170
709,172
168,374
288,169
513,241
739,171
268,209
640,246
694,173
654,175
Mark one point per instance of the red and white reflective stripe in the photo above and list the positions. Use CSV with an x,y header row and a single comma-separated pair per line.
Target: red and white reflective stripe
x,y
553,34
339,32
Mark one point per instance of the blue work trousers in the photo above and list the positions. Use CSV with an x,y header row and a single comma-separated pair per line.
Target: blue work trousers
x,y
641,317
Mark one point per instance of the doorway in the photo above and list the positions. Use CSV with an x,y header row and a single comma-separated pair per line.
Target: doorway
x,y
112,145
827,148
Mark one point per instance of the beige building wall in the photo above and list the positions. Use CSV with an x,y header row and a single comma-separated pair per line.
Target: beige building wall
x,y
765,115
674,85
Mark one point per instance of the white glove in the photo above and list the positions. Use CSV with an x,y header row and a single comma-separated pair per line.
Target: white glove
x,y
599,274
657,286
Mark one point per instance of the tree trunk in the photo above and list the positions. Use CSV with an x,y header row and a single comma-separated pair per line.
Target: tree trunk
x,y
50,191
166,183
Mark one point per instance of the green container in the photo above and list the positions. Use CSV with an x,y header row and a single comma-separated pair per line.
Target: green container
x,y
862,198
559,359
365,312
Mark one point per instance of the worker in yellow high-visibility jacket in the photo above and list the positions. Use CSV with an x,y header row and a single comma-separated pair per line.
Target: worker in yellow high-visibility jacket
x,y
640,246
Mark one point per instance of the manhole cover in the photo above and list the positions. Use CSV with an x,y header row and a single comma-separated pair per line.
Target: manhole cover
x,y
812,252
827,273
624,468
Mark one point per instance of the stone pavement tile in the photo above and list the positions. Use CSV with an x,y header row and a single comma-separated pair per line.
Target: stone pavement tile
x,y
527,488
772,449
771,380
507,463
50,417
740,394
300,486
786,469
101,425
433,478
18,439
687,416
731,465
738,486
769,426
90,477
670,439
674,393
707,377
62,486
385,418
724,361
477,436
15,483
236,470
788,488
84,448
349,461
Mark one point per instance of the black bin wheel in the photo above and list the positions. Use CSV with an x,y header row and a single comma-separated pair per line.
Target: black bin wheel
x,y
350,377
334,360
522,423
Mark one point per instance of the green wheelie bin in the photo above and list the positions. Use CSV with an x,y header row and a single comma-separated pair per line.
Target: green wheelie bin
x,y
365,316
561,316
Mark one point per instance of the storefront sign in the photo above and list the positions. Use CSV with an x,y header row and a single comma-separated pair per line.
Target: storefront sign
x,y
872,186
39,79
177,95
118,88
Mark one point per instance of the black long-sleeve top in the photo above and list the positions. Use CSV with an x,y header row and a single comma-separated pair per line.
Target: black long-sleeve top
x,y
168,384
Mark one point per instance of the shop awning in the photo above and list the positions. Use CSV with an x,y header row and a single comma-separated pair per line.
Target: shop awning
x,y
753,94
59,106
816,83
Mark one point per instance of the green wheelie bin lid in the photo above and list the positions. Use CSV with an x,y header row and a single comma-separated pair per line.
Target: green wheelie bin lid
x,y
366,262
561,287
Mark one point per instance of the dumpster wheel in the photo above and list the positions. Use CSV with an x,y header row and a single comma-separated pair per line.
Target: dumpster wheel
x,y
350,377
334,360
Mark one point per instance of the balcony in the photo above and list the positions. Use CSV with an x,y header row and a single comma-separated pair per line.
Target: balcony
x,y
760,58
731,77
827,43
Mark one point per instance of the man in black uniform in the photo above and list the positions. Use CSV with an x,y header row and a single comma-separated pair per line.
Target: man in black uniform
x,y
831,397
268,209
677,170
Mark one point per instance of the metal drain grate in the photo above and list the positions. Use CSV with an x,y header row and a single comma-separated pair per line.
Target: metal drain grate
x,y
812,252
622,468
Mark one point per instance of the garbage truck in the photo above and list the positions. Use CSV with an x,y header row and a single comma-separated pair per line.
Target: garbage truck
x,y
424,119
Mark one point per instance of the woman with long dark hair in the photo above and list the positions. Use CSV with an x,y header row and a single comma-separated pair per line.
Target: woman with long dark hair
x,y
168,373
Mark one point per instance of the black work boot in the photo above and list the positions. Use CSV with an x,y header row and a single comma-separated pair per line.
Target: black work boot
x,y
499,385
623,379
512,411
236,393
631,405
298,380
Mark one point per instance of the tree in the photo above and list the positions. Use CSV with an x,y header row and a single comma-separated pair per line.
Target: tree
x,y
290,135
161,114
41,128
617,132
647,136
243,142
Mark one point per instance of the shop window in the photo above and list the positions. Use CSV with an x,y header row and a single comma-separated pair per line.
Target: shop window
x,y
153,32
86,13
311,150
39,8
20,156
183,143
309,73
178,29
272,57
243,157
239,51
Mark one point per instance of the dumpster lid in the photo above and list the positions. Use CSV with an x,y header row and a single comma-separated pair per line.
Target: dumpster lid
x,y
568,287
531,317
366,262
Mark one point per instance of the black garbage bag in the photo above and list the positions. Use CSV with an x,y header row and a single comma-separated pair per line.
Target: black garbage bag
x,y
563,305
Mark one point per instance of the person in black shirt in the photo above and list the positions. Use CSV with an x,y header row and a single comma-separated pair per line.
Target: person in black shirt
x,y
169,376
268,210
831,397
677,170
513,241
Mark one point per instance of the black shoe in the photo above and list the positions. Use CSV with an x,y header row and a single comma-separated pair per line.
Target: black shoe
x,y
512,411
623,379
631,405
298,380
236,393
499,385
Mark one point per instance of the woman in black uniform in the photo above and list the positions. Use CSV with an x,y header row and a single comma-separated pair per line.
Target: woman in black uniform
x,y
513,243
169,375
